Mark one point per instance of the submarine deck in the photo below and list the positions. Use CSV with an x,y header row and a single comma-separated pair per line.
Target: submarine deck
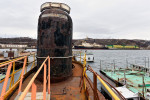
x,y
65,90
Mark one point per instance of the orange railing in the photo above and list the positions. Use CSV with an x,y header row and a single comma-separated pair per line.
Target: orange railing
x,y
31,83
11,73
8,73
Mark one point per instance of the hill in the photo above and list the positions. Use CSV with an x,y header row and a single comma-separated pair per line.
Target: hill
x,y
144,44
141,43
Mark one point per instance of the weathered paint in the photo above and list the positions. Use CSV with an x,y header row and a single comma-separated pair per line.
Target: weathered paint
x,y
133,79
55,40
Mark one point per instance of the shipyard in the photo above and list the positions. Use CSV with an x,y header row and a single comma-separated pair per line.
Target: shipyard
x,y
74,50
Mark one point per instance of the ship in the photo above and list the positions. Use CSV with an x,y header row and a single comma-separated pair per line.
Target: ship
x,y
86,45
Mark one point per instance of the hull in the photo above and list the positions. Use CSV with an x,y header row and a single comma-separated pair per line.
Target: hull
x,y
113,82
109,80
83,47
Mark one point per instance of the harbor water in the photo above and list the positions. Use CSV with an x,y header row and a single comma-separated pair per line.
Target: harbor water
x,y
121,59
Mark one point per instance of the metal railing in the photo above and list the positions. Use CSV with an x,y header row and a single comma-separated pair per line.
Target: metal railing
x,y
31,83
93,85
10,74
107,85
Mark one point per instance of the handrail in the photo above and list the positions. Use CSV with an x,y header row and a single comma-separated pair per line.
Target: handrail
x,y
95,77
14,60
11,65
103,81
113,94
10,61
31,83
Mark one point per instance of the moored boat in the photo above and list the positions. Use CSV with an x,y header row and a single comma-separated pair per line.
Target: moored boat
x,y
79,55
135,79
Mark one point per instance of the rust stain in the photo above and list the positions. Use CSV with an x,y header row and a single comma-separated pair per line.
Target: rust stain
x,y
65,90
55,40
69,89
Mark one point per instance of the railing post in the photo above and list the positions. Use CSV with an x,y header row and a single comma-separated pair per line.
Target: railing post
x,y
6,81
95,86
48,75
12,76
22,73
80,56
44,85
33,95
13,71
25,69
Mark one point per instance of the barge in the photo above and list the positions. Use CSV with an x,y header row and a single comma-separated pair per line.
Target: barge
x,y
136,79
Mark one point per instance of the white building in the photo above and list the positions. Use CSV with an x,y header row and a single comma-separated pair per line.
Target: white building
x,y
13,46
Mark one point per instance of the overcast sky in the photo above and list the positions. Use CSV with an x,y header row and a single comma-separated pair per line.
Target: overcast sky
x,y
129,19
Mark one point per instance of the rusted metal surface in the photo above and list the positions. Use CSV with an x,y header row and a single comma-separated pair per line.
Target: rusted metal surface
x,y
49,5
55,40
65,90
69,89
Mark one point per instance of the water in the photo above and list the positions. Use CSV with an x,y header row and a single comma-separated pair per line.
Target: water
x,y
121,58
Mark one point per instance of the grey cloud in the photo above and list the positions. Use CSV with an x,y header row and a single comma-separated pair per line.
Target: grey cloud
x,y
96,18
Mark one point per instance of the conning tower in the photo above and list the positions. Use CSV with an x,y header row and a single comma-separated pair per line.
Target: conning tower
x,y
55,40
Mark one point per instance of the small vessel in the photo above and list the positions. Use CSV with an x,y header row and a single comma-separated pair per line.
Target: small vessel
x,y
79,55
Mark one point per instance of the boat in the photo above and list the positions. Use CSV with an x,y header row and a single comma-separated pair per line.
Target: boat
x,y
86,45
135,79
79,55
